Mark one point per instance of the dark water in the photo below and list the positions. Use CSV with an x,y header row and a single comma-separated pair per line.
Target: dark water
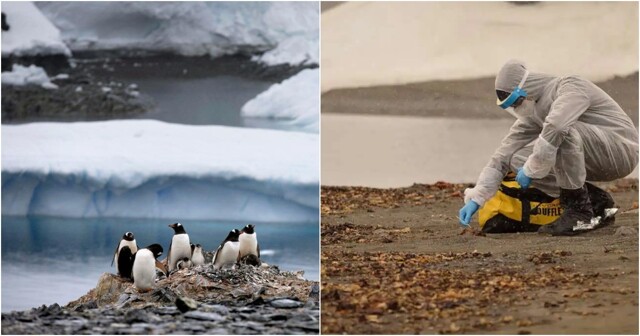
x,y
47,260
192,91
202,101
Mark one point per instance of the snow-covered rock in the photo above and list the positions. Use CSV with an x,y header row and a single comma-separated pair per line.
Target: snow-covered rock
x,y
30,33
296,99
31,75
152,169
390,43
287,31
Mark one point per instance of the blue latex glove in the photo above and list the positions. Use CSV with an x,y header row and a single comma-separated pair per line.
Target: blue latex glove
x,y
523,180
467,212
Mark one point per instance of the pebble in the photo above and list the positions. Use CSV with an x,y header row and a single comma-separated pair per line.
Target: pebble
x,y
626,231
220,309
219,331
286,303
186,304
204,316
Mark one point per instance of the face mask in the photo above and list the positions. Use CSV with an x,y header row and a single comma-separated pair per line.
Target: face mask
x,y
525,109
511,111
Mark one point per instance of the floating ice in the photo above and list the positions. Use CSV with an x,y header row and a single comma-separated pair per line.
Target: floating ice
x,y
296,99
31,75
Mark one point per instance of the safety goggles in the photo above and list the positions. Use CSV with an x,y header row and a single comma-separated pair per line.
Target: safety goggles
x,y
517,95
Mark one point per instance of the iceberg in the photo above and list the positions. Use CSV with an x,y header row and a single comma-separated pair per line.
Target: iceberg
x,y
282,32
296,99
152,169
30,33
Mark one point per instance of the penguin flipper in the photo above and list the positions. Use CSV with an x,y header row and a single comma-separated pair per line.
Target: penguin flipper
x,y
215,255
169,254
115,254
258,249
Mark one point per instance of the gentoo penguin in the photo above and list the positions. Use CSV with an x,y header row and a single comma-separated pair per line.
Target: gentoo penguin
x,y
249,241
127,240
180,246
197,258
125,262
227,252
144,267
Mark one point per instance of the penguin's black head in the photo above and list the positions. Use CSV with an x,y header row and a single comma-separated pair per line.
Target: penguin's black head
x,y
233,235
156,249
128,236
198,246
177,228
248,229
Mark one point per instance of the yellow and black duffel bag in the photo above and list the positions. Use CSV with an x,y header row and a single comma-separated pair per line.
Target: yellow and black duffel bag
x,y
513,209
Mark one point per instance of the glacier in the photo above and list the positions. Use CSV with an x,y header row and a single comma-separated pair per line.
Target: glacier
x,y
282,32
152,169
30,33
296,100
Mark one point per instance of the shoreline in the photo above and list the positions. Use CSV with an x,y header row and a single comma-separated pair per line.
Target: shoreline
x,y
200,300
471,98
91,92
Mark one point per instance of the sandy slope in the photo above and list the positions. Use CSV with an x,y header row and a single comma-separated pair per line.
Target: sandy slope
x,y
378,43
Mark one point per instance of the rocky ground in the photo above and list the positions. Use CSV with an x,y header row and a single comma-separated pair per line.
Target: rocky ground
x,y
397,261
88,89
244,300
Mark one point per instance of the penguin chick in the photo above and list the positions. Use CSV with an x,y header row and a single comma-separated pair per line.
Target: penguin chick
x,y
249,241
183,263
227,252
144,267
180,246
127,240
197,258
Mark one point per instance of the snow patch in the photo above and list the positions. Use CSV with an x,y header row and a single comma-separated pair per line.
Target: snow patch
x,y
31,75
30,33
287,32
152,169
296,99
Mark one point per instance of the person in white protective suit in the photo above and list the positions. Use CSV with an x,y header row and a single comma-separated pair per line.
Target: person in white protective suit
x,y
568,131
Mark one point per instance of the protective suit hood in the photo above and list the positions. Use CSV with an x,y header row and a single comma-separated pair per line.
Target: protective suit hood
x,y
511,74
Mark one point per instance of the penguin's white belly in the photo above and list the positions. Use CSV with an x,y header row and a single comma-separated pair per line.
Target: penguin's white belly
x,y
144,270
248,244
228,254
180,248
132,246
197,259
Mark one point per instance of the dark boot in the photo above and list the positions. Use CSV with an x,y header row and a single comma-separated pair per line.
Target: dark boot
x,y
600,199
576,206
